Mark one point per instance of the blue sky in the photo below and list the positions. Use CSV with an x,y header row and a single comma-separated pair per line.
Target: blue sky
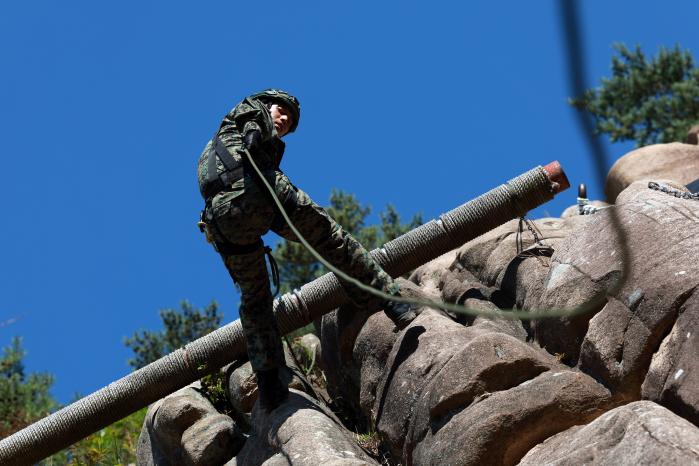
x,y
105,107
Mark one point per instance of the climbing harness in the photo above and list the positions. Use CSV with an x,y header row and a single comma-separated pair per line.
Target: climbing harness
x,y
233,171
226,249
663,188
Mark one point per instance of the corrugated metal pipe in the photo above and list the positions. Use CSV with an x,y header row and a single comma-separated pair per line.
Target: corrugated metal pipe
x,y
293,310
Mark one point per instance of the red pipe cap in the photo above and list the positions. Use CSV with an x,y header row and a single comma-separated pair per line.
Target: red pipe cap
x,y
555,173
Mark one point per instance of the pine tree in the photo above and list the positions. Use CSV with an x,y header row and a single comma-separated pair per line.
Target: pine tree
x,y
647,101
180,327
24,398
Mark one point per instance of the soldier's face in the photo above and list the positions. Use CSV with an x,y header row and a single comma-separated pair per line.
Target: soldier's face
x,y
281,118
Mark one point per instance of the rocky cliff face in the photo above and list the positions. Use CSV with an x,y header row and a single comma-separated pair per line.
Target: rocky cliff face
x,y
616,385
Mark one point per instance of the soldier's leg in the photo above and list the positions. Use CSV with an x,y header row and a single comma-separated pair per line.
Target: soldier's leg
x,y
335,244
239,218
259,326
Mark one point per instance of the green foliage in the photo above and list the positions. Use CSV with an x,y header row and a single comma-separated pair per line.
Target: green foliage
x,y
113,445
370,441
297,266
180,327
116,444
23,398
647,101
213,387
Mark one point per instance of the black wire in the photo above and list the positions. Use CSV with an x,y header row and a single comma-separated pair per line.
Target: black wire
x,y
577,66
569,16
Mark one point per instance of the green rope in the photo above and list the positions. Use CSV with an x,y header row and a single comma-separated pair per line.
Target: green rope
x,y
492,314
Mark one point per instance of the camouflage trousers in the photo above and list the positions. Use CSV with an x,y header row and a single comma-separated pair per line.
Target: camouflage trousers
x,y
241,216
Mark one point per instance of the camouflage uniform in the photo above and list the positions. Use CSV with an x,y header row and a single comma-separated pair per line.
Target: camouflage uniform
x,y
244,211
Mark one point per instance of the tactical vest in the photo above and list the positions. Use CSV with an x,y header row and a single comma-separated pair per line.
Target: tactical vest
x,y
233,170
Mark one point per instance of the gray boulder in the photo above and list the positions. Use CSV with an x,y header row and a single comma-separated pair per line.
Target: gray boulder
x,y
500,427
475,296
338,332
675,161
673,376
487,256
460,287
663,273
479,256
446,384
355,344
370,353
509,327
300,432
640,433
185,428
311,349
512,262
430,277
211,440
616,340
148,452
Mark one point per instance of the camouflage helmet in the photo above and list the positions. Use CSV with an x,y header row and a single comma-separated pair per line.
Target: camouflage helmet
x,y
287,100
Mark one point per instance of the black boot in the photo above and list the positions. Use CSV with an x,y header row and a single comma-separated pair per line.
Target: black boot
x,y
400,313
271,391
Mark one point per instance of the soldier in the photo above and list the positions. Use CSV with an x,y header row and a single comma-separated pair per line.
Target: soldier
x,y
239,210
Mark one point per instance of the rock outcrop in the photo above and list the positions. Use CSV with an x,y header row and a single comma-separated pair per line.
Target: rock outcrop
x,y
615,345
185,428
446,384
300,432
675,161
673,379
618,384
637,433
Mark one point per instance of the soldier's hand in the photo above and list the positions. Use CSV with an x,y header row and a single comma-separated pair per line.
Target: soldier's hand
x,y
252,140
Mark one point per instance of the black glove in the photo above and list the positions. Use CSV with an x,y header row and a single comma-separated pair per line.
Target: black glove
x,y
400,313
253,139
